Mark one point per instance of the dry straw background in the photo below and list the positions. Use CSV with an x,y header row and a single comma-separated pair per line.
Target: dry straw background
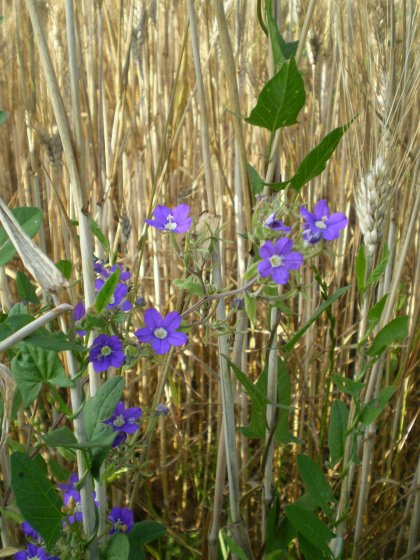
x,y
138,130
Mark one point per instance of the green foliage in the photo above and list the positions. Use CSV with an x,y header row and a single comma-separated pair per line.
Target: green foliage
x,y
257,184
141,534
375,312
25,289
323,307
372,410
4,115
348,386
337,430
65,267
361,269
393,332
310,527
33,367
279,531
105,294
191,284
281,49
251,308
281,99
64,437
29,218
36,498
315,483
375,276
99,234
118,547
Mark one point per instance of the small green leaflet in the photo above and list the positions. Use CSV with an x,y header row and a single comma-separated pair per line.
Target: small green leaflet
x,y
310,527
25,289
141,534
118,547
107,291
361,268
374,408
64,437
281,99
315,483
393,332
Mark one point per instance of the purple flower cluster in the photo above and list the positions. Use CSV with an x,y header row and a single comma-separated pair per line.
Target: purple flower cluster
x,y
162,332
119,299
124,422
278,258
34,552
72,499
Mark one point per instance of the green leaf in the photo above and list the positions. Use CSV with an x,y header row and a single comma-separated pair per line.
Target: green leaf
x,y
191,284
315,162
105,294
309,551
98,233
25,289
235,548
118,547
29,218
361,268
250,388
58,472
64,437
252,271
36,498
281,99
374,408
284,399
337,430
308,525
257,184
35,366
379,270
348,386
375,312
101,407
65,267
282,50
251,308
315,483
323,307
4,115
58,341
142,533
393,332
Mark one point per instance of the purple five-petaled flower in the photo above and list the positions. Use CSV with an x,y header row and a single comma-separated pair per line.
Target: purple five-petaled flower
x,y
321,224
277,225
79,312
278,260
122,520
69,489
32,552
175,221
124,421
162,331
118,297
106,351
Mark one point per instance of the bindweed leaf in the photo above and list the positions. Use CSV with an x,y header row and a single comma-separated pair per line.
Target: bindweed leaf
x,y
393,332
348,386
29,218
100,236
65,267
36,498
379,270
310,527
281,99
190,284
309,551
118,547
257,184
33,367
315,483
143,533
337,430
25,289
374,408
101,407
64,437
375,312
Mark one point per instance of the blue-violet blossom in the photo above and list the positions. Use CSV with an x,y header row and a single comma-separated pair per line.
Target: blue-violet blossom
x,y
278,260
124,421
29,531
32,552
122,520
321,224
162,331
106,351
277,225
118,297
175,221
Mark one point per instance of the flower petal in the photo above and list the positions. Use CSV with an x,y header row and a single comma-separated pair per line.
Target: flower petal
x,y
145,334
153,318
177,338
172,321
293,260
161,214
283,246
181,212
160,346
264,268
321,209
183,226
267,250
280,275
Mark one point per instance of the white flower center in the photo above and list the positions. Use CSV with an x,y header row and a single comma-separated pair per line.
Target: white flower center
x,y
321,223
34,557
276,260
170,224
119,421
106,351
161,333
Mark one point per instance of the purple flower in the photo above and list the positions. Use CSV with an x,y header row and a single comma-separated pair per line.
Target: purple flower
x,y
122,520
118,297
106,351
125,275
278,260
162,331
321,224
32,552
79,312
162,410
176,220
29,531
124,421
274,224
69,489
